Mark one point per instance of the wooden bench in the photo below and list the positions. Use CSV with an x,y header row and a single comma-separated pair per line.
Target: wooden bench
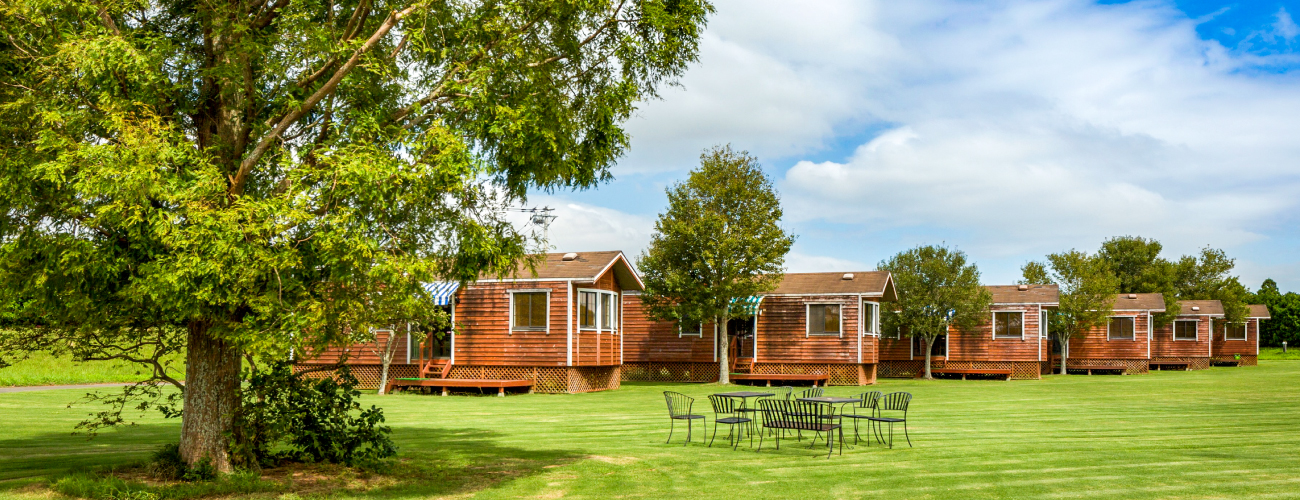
x,y
446,383
782,377
964,373
1100,368
1160,365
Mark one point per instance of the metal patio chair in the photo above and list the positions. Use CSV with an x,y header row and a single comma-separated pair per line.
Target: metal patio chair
x,y
679,408
813,392
799,416
890,409
727,408
864,409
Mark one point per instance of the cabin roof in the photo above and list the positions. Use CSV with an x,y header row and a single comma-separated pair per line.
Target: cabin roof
x,y
1259,311
1032,294
875,283
1206,307
1140,301
585,267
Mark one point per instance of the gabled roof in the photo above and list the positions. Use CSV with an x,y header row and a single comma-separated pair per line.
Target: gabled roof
x,y
584,267
1031,294
1259,311
872,283
1140,302
1203,307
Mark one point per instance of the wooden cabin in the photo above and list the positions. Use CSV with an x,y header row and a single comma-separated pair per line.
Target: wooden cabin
x,y
560,327
813,326
1123,344
1012,342
1239,344
1184,343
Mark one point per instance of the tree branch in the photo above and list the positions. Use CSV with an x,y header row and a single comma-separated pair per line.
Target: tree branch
x,y
240,178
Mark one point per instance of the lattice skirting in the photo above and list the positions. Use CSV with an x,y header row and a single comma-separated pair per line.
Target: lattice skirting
x,y
840,373
1193,363
1020,370
367,375
546,379
1130,366
669,372
1246,359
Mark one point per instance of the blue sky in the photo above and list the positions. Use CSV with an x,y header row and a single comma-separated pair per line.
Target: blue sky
x,y
1007,129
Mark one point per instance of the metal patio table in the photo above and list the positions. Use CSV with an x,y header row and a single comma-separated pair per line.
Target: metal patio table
x,y
744,401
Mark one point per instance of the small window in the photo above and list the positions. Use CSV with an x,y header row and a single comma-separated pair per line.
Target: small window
x,y
1236,331
823,319
587,309
607,313
690,329
1008,325
1185,330
529,311
1121,328
1042,324
870,318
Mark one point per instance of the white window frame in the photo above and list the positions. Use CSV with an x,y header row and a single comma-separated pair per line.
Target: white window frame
x,y
1042,324
869,325
512,329
698,334
1196,329
807,319
995,325
1133,319
1245,332
615,299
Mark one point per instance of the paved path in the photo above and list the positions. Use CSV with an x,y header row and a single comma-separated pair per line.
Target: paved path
x,y
56,387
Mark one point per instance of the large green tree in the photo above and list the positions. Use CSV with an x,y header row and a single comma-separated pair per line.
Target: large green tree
x,y
1087,294
1137,264
937,290
1284,309
1208,277
247,177
719,241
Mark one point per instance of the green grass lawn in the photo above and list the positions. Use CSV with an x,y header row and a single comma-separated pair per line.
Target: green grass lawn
x,y
46,369
1275,353
1218,433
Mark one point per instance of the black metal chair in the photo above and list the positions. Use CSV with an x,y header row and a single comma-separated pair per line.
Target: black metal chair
x,y
864,409
723,405
799,416
895,403
679,408
814,392
785,392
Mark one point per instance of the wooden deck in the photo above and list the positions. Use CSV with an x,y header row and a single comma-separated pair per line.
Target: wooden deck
x,y
446,383
782,377
964,373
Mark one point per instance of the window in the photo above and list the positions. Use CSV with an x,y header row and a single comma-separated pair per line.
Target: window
x,y
597,309
1042,324
1008,325
870,318
938,348
608,313
1120,328
1235,331
823,319
529,311
1185,330
687,328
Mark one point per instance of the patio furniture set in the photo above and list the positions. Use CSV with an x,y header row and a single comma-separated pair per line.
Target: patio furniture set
x,y
777,414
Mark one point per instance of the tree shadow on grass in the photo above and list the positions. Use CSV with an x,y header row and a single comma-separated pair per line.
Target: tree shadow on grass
x,y
431,461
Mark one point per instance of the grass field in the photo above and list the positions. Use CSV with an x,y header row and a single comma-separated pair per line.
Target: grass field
x,y
1275,353
46,369
1219,433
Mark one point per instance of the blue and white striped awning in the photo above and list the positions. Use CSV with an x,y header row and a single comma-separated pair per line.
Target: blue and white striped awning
x,y
442,291
743,307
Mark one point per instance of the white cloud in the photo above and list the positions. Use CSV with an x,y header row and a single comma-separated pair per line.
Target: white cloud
x,y
580,227
798,262
1284,26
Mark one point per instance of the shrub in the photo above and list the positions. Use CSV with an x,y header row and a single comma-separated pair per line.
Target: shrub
x,y
285,416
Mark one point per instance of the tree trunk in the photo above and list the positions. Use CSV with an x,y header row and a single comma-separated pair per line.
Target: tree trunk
x,y
928,347
385,352
724,352
1065,352
211,397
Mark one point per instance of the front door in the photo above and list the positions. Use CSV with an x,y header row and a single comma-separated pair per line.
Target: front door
x,y
740,334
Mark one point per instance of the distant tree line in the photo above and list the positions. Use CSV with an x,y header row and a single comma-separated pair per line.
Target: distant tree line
x,y
1285,310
